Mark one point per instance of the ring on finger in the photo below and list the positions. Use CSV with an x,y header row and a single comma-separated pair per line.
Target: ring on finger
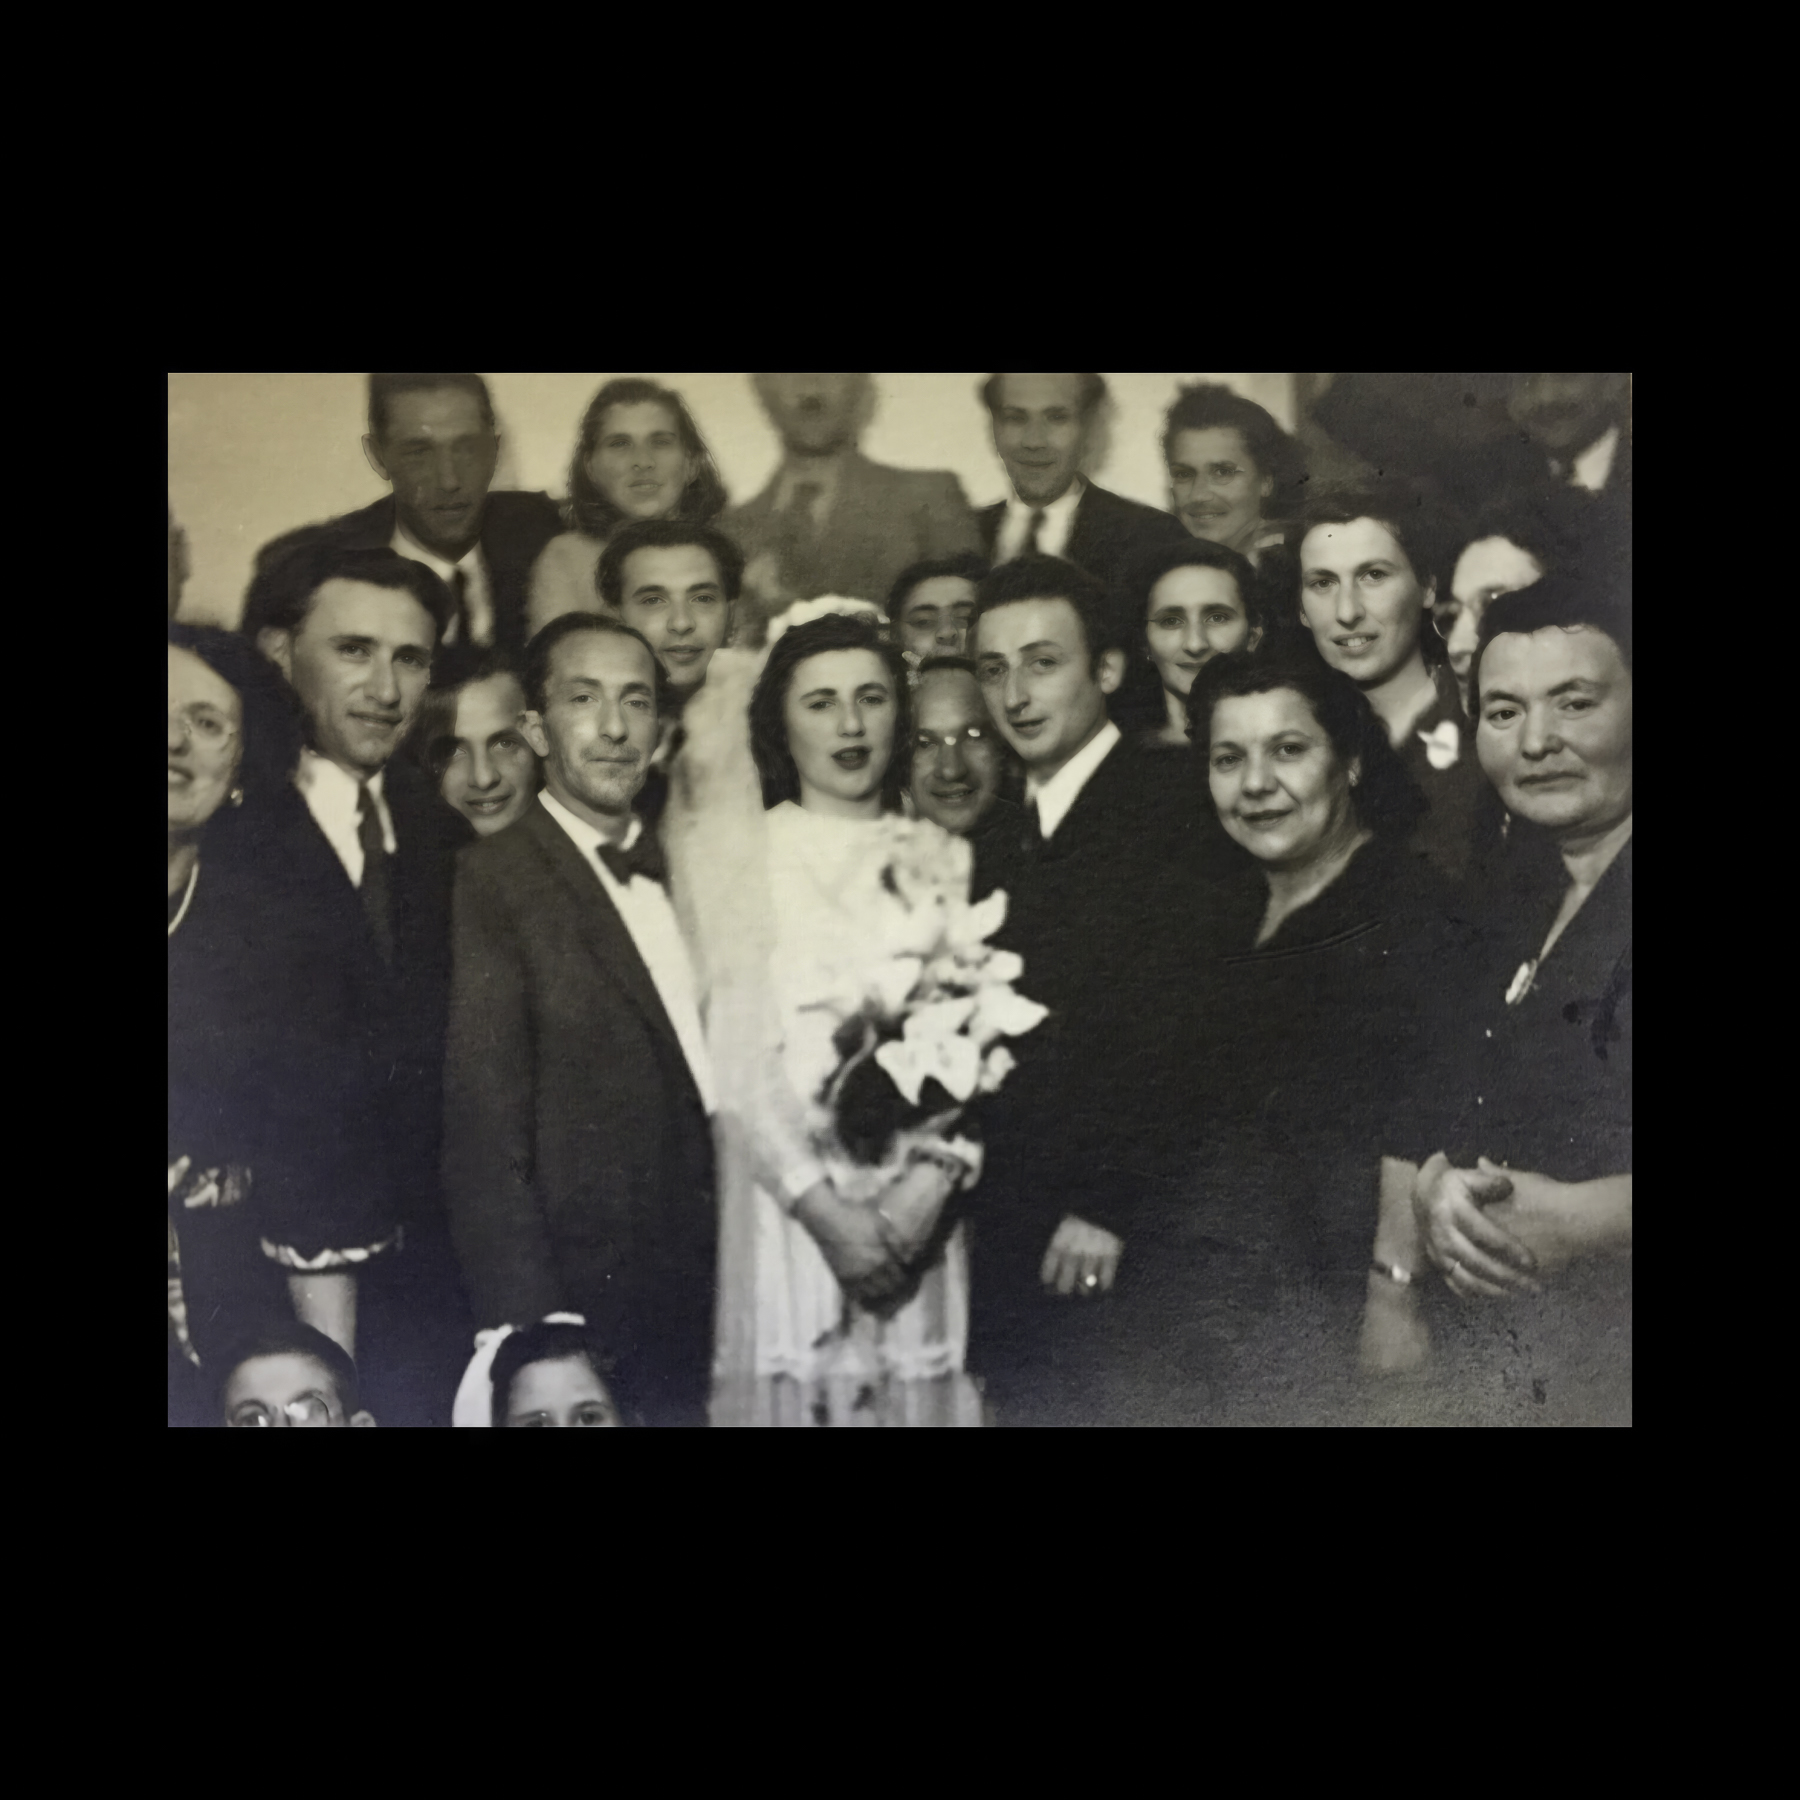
x,y
1090,1282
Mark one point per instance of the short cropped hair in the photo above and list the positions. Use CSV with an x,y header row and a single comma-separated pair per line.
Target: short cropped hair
x,y
1150,565
1210,405
1387,799
455,669
1050,578
589,509
1403,507
538,653
667,534
383,388
965,565
544,1343
1093,392
282,594
768,721
291,1338
274,726
1571,602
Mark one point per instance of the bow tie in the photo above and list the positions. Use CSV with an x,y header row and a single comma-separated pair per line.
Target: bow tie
x,y
645,858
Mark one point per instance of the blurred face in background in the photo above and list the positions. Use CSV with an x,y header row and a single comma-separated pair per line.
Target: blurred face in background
x,y
675,598
815,414
1194,615
840,712
1216,486
565,1392
1280,788
956,755
1554,728
1566,413
1487,568
490,773
206,726
1040,434
934,618
1361,600
638,461
439,452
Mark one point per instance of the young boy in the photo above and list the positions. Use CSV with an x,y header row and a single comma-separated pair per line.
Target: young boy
x,y
290,1375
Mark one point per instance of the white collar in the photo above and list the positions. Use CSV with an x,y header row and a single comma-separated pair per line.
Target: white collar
x,y
319,776
1594,465
1057,511
585,837
403,543
1057,795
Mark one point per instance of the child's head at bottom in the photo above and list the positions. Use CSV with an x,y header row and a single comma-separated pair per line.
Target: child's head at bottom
x,y
289,1374
552,1375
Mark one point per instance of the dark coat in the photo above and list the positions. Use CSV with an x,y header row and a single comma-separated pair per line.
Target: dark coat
x,y
514,530
578,1158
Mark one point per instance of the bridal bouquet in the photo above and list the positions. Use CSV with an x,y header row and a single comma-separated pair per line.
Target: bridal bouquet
x,y
919,1010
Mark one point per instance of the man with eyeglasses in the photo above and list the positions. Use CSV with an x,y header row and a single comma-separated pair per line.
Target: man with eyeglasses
x,y
290,1375
958,756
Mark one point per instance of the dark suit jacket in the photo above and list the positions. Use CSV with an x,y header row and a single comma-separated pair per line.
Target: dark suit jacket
x,y
578,1158
881,520
515,528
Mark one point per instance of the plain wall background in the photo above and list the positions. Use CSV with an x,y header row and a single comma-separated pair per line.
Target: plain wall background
x,y
251,456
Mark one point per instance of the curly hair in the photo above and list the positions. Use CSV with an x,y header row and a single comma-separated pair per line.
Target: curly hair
x,y
768,704
590,511
1387,800
274,726
1210,406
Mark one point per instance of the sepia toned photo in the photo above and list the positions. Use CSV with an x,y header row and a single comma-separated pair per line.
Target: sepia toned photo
x,y
899,900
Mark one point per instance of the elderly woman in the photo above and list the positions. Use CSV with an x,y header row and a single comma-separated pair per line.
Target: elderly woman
x,y
639,455
1370,569
467,735
273,1156
1523,1196
1280,1043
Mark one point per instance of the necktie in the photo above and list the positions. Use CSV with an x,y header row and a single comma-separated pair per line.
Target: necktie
x,y
1030,546
645,858
800,507
377,895
459,591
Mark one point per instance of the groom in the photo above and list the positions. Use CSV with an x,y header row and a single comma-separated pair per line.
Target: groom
x,y
578,1155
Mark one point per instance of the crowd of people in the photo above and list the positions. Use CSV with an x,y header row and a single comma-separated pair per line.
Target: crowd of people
x,y
513,845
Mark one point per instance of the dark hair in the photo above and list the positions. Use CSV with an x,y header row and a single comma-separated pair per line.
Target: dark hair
x,y
1550,524
666,534
964,665
589,509
290,1338
543,1343
1402,506
1050,578
1567,601
1210,405
274,726
1387,799
461,666
966,565
383,388
768,723
1093,391
282,594
1150,565
538,652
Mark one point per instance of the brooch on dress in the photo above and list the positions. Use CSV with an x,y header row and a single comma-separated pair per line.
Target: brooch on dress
x,y
1443,744
1521,982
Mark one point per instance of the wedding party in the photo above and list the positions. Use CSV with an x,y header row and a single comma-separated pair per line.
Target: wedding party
x,y
1119,915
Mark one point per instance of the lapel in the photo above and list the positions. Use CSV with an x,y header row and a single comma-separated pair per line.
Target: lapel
x,y
1089,535
374,525
603,931
1096,815
987,522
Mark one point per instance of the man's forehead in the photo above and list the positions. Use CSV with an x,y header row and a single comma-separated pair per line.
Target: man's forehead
x,y
670,565
942,590
361,609
279,1377
945,696
1035,391
606,656
1541,659
1006,628
434,412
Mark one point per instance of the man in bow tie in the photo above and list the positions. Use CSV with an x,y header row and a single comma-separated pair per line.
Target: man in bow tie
x,y
578,1158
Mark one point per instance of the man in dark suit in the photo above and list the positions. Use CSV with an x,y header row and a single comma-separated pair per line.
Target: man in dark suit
x,y
578,1155
433,438
831,521
1107,887
361,851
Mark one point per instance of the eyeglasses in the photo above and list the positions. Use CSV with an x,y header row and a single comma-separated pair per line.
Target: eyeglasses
x,y
309,1409
204,725
1445,614
925,742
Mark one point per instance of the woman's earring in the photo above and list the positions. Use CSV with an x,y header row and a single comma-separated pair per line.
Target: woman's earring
x,y
237,796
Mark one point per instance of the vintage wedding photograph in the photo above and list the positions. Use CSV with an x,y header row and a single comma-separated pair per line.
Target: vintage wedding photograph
x,y
899,900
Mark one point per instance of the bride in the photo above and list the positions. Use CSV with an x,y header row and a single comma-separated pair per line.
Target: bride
x,y
839,1302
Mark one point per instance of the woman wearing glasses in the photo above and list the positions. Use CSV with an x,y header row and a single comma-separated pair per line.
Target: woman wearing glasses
x,y
273,1151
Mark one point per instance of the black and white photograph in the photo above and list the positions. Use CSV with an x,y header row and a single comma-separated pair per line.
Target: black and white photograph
x,y
899,900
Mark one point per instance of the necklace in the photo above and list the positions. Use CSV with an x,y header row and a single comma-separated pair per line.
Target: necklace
x,y
187,899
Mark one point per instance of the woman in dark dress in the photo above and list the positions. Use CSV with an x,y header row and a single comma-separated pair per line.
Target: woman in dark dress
x,y
272,1148
1283,1050
1523,1196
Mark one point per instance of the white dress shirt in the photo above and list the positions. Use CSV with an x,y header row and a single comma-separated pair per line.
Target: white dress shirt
x,y
335,799
1063,789
477,592
1053,534
648,915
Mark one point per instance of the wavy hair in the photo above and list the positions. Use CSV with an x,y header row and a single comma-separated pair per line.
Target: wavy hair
x,y
274,724
768,704
589,510
1210,405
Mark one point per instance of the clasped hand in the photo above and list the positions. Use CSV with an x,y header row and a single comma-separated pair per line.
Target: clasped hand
x,y
873,1251
1476,1255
